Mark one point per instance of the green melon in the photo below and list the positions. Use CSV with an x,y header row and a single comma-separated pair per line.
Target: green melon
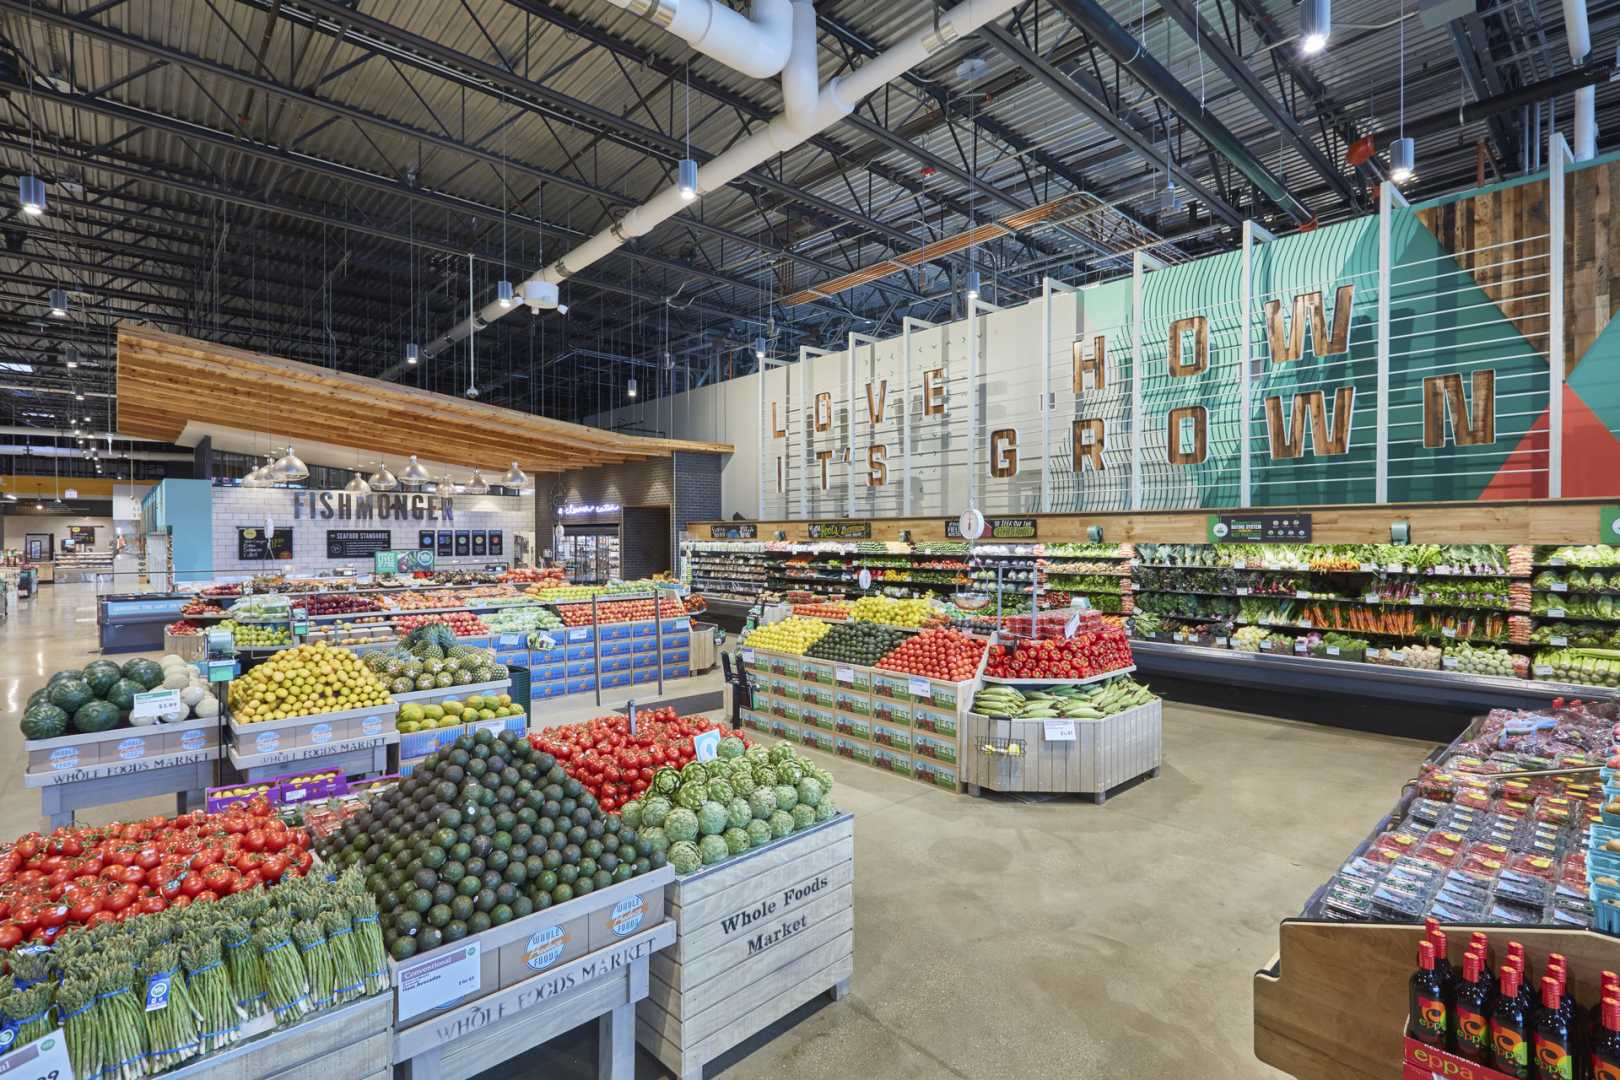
x,y
123,694
44,721
65,674
96,716
102,675
43,694
70,694
149,673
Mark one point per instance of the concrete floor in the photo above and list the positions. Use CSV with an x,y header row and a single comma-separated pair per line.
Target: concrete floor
x,y
999,937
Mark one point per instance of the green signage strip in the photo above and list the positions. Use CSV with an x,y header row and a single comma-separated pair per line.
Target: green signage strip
x,y
1259,528
1610,531
840,530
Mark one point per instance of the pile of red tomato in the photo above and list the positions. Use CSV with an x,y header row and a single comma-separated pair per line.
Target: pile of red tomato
x,y
617,611
616,766
461,623
88,876
946,655
1090,652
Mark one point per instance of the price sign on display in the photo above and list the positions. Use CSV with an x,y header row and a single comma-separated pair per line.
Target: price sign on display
x,y
1415,598
920,688
1220,642
46,1058
1555,613
706,745
1558,642
1299,646
748,656
1333,650
438,980
1242,591
1302,594
1370,598
1543,669
1059,730
1371,654
844,674
155,703
1071,627
1559,586
1448,662
1397,655
1449,631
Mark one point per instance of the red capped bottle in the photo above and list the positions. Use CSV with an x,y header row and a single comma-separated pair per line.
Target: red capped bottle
x,y
1442,959
1471,1025
1510,1027
1611,989
1478,942
1429,1015
1605,1053
1552,1041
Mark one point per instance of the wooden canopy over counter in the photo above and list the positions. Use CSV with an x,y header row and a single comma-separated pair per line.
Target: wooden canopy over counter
x,y
1565,521
166,380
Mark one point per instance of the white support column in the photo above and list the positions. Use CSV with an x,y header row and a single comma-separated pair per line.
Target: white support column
x,y
1558,159
1049,290
849,445
759,469
906,325
1141,263
1253,235
973,403
1388,199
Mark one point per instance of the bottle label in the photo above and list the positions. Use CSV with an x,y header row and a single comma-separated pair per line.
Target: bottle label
x,y
1429,1020
1510,1054
1605,1070
1473,1033
1553,1060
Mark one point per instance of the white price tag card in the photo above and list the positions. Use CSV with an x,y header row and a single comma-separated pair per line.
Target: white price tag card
x,y
1368,567
1220,642
46,1058
1555,562
1558,642
1240,564
1241,591
1371,654
748,656
1393,568
706,745
1543,669
1071,627
1266,646
1559,586
1397,655
1059,730
1370,598
438,980
844,674
1448,662
1555,613
1333,650
581,634
1299,646
1448,631
1415,598
920,688
155,703
1179,636
1302,594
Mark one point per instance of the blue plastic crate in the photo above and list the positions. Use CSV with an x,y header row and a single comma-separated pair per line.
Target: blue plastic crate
x,y
614,663
480,642
645,660
680,672
618,679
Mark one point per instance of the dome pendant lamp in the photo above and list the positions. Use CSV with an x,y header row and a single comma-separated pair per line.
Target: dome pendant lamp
x,y
514,477
382,479
477,485
414,473
289,468
357,485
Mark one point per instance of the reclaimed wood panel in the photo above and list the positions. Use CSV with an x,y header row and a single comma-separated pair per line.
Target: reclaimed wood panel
x,y
1591,240
1500,236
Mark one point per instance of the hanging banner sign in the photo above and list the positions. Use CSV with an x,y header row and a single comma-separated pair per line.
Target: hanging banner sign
x,y
997,528
840,530
1259,528
738,531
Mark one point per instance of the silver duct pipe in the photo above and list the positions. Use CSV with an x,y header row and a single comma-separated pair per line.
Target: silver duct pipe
x,y
1579,34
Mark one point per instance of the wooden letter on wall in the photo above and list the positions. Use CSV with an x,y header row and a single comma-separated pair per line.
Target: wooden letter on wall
x,y
1288,342
1198,327
1088,444
824,456
824,412
1470,426
1327,439
1004,452
874,413
777,430
1179,453
1096,363
779,475
934,392
877,469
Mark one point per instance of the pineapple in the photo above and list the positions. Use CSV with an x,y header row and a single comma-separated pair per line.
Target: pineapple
x,y
425,682
444,679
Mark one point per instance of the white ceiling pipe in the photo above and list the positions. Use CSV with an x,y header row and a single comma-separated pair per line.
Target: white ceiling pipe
x,y
756,44
836,101
1579,35
801,77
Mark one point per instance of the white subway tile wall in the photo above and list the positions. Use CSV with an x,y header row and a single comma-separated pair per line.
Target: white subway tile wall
x,y
248,508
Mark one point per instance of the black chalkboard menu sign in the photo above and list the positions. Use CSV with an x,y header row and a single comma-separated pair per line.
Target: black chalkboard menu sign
x,y
357,543
424,539
463,542
478,542
447,543
495,542
254,544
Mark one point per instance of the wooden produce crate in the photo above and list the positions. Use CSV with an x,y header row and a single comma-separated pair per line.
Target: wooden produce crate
x,y
760,935
472,1004
354,741
459,693
351,1040
186,646
1019,755
121,745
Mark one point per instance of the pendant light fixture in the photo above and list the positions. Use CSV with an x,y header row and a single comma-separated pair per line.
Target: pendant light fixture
x,y
972,284
630,387
289,468
58,301
477,485
514,477
357,485
1403,151
414,473
1315,24
70,357
413,353
503,294
686,173
382,479
31,194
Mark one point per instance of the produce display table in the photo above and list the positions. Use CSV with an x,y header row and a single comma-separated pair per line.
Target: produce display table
x,y
348,1041
185,774
760,935
354,742
904,724
470,1005
1096,757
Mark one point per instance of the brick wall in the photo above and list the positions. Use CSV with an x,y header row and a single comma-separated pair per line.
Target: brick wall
x,y
248,507
697,489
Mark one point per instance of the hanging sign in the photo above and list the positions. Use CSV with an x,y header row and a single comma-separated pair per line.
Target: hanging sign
x,y
840,530
1259,528
356,543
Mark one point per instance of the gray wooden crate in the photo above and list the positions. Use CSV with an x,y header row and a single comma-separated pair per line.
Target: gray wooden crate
x,y
1104,754
759,936
351,1040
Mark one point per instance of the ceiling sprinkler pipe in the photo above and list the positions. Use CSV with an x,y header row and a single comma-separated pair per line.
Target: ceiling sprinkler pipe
x,y
755,44
836,101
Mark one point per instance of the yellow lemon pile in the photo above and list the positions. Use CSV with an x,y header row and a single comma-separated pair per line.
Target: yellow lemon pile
x,y
304,681
793,635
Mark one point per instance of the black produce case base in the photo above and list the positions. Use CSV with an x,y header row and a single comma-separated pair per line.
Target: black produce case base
x,y
1429,705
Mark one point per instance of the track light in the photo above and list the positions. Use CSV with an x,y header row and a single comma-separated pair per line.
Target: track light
x,y
413,352
686,181
630,387
31,194
515,477
1315,24
70,357
504,295
972,284
58,300
78,395
1402,159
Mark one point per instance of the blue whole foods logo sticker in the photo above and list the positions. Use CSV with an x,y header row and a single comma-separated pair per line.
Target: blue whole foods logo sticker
x,y
320,734
545,947
266,741
66,757
130,749
628,915
192,740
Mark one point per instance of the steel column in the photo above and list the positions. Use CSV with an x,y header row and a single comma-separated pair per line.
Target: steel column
x,y
1559,159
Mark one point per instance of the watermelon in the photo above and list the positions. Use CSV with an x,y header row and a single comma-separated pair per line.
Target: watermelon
x,y
70,694
64,674
123,694
102,675
96,716
149,673
43,694
44,721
